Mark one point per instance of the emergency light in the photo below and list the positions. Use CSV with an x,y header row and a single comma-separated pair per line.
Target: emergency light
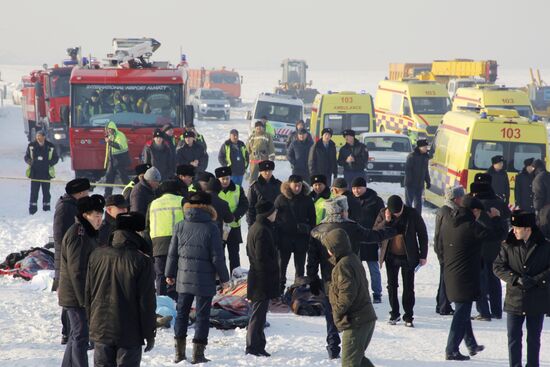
x,y
69,62
483,115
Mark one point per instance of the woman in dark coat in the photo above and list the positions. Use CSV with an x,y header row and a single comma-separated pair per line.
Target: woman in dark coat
x,y
263,277
524,264
462,236
195,258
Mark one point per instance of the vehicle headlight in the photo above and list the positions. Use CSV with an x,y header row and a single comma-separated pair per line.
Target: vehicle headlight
x,y
227,105
58,136
370,166
204,105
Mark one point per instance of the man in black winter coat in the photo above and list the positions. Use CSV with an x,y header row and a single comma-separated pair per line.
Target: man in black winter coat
x,y
123,275
541,196
139,171
489,304
64,217
462,237
336,210
406,251
233,153
114,205
416,174
300,125
159,154
295,219
78,243
190,152
263,276
371,204
297,154
144,192
499,178
265,188
41,156
353,157
453,200
523,189
524,264
322,157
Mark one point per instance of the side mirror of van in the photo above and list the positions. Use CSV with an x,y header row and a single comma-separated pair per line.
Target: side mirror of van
x,y
188,115
249,115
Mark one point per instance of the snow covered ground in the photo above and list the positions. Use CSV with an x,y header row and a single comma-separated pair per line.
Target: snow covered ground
x,y
29,315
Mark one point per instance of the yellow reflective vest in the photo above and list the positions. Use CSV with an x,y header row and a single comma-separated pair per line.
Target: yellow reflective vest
x,y
164,213
232,199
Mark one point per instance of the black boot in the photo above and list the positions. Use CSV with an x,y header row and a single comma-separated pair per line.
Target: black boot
x,y
33,208
457,356
46,207
180,350
198,354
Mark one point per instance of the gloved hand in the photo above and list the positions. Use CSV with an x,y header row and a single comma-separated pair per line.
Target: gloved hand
x,y
525,282
428,185
150,344
303,228
315,287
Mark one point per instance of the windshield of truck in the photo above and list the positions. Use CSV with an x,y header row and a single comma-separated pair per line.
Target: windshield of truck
x,y
278,112
224,78
59,85
127,105
431,105
523,111
294,72
514,154
212,94
388,144
359,122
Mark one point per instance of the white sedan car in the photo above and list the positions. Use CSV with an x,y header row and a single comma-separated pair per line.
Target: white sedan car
x,y
387,156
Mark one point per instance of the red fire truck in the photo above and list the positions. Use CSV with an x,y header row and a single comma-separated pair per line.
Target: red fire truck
x,y
45,104
155,92
227,80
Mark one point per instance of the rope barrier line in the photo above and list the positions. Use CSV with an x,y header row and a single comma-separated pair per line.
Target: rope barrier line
x,y
56,181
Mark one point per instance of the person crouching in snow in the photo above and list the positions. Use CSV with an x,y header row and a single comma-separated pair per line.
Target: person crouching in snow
x,y
349,297
196,257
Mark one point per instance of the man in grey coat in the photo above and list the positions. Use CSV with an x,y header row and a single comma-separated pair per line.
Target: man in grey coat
x,y
194,260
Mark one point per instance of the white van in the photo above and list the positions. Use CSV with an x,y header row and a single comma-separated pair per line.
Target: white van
x,y
281,112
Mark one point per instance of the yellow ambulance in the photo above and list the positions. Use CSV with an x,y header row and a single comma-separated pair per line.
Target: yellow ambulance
x,y
493,96
467,140
341,111
414,106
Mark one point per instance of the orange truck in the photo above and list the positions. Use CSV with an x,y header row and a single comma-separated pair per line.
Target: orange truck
x,y
227,80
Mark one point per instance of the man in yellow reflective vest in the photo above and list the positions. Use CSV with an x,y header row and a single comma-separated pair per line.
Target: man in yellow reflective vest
x,y
140,171
117,159
233,153
238,204
41,157
319,194
163,213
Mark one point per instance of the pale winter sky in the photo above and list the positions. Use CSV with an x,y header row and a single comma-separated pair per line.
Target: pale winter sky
x,y
258,34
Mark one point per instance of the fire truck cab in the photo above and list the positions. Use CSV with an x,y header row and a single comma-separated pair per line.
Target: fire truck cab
x,y
138,99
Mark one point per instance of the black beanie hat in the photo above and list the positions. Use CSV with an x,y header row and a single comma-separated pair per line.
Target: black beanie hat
x,y
200,198
185,170
133,221
295,178
528,162
142,168
359,182
265,208
497,159
171,186
340,183
421,143
470,202
204,176
77,185
395,204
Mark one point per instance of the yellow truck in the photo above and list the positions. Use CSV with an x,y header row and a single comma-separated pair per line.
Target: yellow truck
x,y
467,140
412,106
341,111
492,96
